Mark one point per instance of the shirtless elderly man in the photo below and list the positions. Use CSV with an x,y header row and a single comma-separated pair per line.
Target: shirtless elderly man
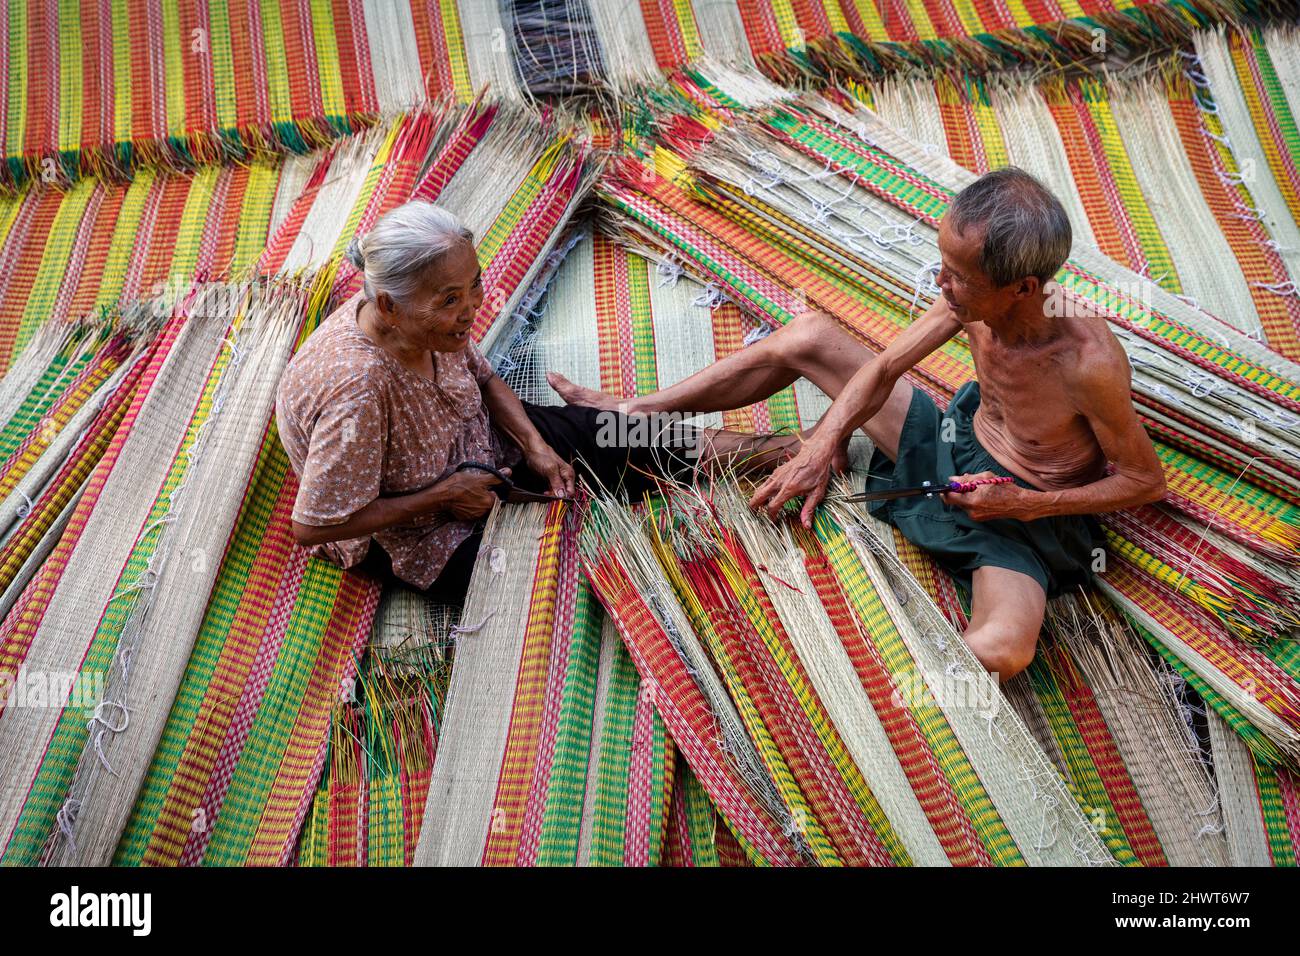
x,y
1049,409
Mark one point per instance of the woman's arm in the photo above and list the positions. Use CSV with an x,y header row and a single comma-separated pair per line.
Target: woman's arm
x,y
465,495
507,413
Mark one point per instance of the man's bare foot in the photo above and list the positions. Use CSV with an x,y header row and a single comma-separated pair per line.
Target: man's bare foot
x,y
578,395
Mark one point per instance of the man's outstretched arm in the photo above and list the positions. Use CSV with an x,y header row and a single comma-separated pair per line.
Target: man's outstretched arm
x,y
863,396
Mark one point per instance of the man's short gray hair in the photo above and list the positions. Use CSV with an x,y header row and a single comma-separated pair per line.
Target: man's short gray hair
x,y
402,243
1026,230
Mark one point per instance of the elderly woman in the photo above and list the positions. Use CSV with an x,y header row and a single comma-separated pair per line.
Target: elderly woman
x,y
389,397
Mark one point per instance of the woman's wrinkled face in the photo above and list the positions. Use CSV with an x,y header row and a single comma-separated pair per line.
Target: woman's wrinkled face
x,y
439,316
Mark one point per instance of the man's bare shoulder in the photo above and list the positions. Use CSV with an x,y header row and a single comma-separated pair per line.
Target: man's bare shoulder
x,y
1097,369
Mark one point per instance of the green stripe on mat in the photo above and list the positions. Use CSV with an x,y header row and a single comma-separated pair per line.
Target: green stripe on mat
x,y
610,818
701,818
643,329
567,786
49,788
661,781
1273,812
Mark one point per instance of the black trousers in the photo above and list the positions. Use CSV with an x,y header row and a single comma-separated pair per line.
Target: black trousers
x,y
607,449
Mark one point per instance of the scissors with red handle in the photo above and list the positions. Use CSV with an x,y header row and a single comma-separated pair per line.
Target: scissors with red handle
x,y
507,490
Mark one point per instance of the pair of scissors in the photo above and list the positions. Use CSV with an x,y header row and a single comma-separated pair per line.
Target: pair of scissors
x,y
928,488
506,490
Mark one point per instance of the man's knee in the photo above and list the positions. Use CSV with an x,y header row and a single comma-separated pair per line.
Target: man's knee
x,y
1004,650
809,331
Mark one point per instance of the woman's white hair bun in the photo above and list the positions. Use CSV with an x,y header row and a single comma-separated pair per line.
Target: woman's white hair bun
x,y
355,255
401,245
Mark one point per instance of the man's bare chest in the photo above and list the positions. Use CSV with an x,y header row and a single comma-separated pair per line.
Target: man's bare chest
x,y
1027,389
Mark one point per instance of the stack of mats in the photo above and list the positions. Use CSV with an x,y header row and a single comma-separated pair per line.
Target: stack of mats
x,y
68,254
93,88
798,675
259,637
791,40
102,89
1234,632
554,750
565,341
620,287
179,288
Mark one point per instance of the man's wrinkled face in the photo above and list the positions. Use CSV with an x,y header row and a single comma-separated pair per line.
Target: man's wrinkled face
x,y
439,316
971,295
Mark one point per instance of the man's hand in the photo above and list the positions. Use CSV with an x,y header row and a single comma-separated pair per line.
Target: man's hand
x,y
468,494
807,474
988,502
558,473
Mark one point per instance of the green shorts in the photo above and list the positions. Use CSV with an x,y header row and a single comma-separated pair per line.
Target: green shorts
x,y
1057,552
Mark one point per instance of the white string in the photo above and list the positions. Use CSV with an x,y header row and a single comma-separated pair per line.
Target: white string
x,y
930,269
710,298
1286,289
669,272
459,630
66,820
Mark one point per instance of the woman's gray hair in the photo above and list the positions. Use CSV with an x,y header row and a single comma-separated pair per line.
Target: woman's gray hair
x,y
1026,230
402,244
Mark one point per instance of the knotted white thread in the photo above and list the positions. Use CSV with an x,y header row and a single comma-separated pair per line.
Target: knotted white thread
x,y
1200,383
669,272
931,270
66,820
459,630
1250,214
99,725
710,298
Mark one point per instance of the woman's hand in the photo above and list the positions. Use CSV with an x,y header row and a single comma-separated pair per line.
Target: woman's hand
x,y
468,494
557,472
807,474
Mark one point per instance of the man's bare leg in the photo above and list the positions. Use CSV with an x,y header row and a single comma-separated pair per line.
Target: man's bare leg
x,y
813,346
737,451
1006,616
